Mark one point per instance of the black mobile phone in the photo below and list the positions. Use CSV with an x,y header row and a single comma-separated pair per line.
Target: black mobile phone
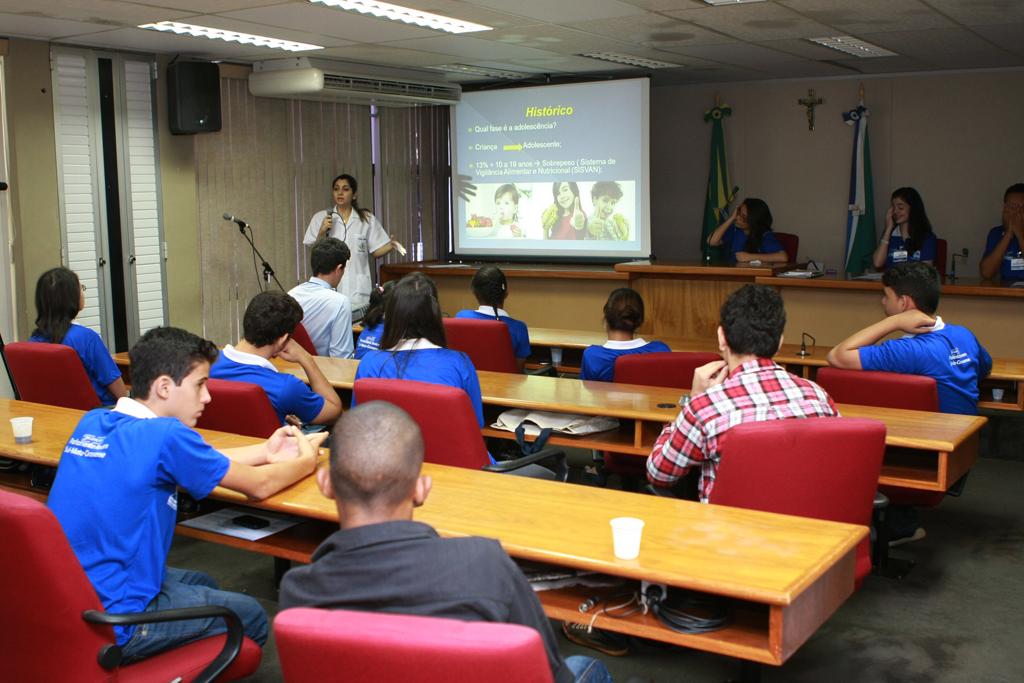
x,y
250,522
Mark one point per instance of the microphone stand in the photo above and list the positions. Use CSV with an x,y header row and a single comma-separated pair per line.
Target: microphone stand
x,y
268,272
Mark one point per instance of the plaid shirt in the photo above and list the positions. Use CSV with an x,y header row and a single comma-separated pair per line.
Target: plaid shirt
x,y
756,391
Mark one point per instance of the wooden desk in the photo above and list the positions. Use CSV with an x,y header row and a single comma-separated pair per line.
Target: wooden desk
x,y
1007,373
944,446
784,575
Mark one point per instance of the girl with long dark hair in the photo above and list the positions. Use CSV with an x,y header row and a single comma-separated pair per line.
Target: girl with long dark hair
x,y
414,345
623,315
908,234
59,298
490,287
564,220
361,231
746,235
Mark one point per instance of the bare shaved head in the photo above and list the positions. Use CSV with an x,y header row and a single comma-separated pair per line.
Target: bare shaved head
x,y
376,455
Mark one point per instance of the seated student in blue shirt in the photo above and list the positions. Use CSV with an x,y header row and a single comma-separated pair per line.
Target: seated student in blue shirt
x,y
59,299
1003,255
623,314
746,235
326,312
930,346
908,235
414,344
115,494
266,333
491,289
373,320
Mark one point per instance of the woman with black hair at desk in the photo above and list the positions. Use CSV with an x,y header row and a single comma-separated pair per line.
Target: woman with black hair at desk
x,y
746,235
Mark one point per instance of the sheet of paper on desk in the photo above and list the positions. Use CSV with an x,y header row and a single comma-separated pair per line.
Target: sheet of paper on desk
x,y
802,273
219,522
877,277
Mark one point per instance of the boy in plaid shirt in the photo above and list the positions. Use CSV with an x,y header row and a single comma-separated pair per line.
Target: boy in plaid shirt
x,y
745,387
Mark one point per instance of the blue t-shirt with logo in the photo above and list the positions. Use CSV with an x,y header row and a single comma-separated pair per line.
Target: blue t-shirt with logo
x,y
951,355
599,361
99,366
516,328
369,339
735,240
432,365
1013,256
898,251
115,496
288,395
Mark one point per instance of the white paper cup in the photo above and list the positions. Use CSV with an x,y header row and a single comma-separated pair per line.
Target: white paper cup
x,y
997,394
556,355
22,427
626,533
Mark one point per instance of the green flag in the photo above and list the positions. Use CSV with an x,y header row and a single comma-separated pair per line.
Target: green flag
x,y
720,189
860,218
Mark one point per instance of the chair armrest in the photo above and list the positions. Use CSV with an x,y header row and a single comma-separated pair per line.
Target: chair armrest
x,y
110,655
881,501
561,473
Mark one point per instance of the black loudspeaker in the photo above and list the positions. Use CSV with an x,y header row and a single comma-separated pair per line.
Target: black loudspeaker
x,y
193,97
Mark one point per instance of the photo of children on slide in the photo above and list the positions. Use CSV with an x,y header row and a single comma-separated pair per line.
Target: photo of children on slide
x,y
564,210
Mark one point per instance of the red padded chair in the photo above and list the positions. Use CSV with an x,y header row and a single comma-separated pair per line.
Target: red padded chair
x,y
238,408
673,369
50,373
789,242
821,467
302,338
451,435
52,629
886,390
941,247
317,645
488,343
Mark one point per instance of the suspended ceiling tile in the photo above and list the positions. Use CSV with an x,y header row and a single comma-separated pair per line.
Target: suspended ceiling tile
x,y
981,12
386,54
870,16
755,21
209,6
884,65
102,12
1010,37
556,39
319,20
467,47
950,48
561,11
739,54
655,30
22,26
663,5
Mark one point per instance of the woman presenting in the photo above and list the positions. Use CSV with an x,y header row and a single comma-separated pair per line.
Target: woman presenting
x,y
361,231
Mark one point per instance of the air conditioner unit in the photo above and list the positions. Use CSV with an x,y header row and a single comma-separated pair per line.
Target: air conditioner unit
x,y
304,79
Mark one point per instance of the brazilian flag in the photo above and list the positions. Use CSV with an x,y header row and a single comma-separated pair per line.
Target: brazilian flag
x,y
720,189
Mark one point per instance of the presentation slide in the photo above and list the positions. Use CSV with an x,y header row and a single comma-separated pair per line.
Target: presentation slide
x,y
559,171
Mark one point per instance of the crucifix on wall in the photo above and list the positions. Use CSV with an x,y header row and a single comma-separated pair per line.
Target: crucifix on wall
x,y
810,102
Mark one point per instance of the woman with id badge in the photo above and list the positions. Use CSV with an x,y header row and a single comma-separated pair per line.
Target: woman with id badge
x,y
361,231
1003,256
908,234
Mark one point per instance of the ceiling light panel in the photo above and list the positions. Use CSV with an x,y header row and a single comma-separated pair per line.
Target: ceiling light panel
x,y
631,60
406,15
853,46
470,70
229,36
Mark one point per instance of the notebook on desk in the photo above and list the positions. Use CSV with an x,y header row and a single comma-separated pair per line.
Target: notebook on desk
x,y
801,274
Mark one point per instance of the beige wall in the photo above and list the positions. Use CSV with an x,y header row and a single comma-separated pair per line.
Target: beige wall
x,y
956,137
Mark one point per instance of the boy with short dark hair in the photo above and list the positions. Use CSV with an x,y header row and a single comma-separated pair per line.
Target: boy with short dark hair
x,y
267,333
327,313
950,354
605,224
115,493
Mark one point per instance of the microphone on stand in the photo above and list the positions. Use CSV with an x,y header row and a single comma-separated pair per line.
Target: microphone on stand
x,y
952,271
803,352
242,225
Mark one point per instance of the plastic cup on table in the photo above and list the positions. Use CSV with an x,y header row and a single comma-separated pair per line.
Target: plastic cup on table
x,y
997,394
626,534
22,427
556,356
